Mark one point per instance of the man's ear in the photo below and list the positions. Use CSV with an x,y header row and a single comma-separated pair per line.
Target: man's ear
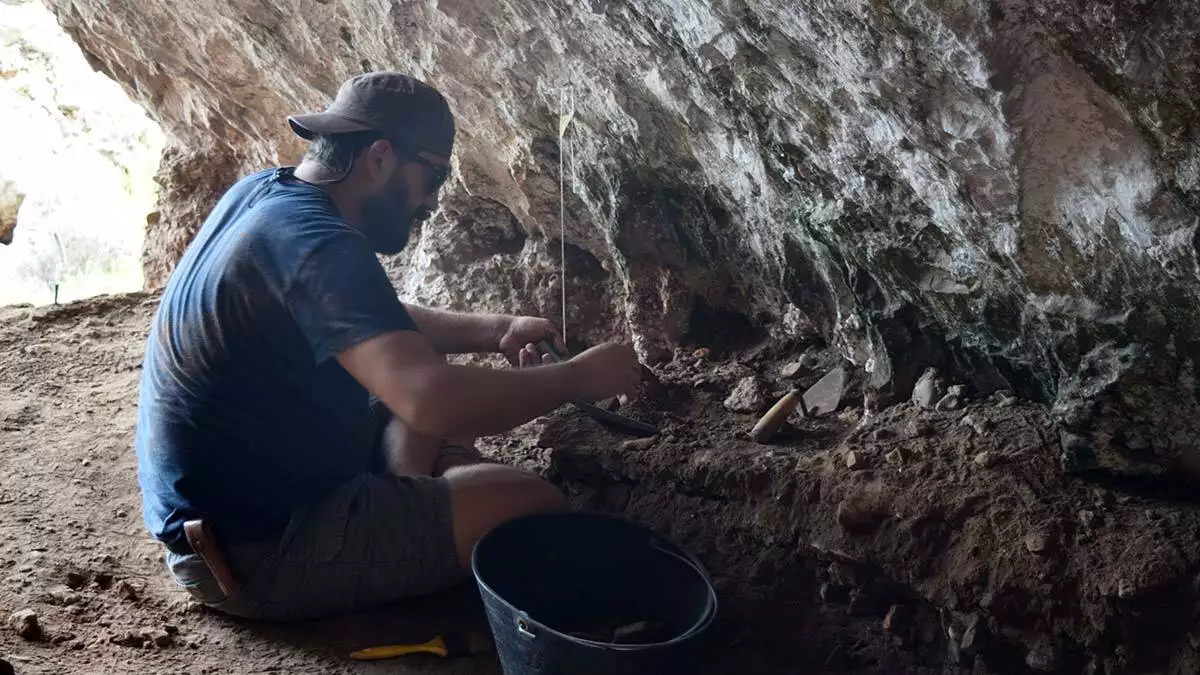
x,y
379,163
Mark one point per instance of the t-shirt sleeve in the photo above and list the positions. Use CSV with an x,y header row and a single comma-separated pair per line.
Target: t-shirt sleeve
x,y
340,296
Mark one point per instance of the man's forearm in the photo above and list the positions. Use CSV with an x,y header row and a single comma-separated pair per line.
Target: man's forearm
x,y
470,401
458,332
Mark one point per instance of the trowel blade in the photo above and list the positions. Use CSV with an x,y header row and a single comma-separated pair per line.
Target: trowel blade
x,y
824,397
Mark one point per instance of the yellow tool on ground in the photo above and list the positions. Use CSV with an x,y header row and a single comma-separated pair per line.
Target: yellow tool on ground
x,y
449,645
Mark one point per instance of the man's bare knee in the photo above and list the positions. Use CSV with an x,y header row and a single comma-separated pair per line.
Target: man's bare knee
x,y
486,495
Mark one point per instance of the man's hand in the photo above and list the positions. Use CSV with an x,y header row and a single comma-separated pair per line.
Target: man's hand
x,y
519,336
606,370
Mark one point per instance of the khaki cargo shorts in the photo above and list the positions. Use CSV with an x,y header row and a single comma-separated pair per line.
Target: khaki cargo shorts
x,y
376,539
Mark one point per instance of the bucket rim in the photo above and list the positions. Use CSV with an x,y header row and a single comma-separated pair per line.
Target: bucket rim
x,y
682,554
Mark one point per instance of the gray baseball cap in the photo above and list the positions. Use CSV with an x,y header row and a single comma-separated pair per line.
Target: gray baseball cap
x,y
394,105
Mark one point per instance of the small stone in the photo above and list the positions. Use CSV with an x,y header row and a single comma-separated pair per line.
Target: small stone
x,y
639,444
1125,588
895,457
64,595
748,396
792,370
77,644
702,353
62,637
121,513
959,390
128,639
1006,402
920,428
160,638
897,622
1045,656
25,623
929,389
85,461
1039,543
972,637
171,629
986,459
126,590
948,402
1087,518
975,424
855,461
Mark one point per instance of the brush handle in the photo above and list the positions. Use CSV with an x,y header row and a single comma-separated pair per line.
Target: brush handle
x,y
436,646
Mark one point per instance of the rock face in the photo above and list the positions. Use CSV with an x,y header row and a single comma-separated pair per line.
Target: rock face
x,y
1005,190
11,199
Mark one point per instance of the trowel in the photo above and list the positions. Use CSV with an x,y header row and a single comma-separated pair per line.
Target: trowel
x,y
820,399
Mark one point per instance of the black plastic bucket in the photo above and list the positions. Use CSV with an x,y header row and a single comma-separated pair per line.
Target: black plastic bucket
x,y
546,576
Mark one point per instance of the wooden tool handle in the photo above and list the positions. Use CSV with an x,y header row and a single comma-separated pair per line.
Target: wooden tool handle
x,y
769,423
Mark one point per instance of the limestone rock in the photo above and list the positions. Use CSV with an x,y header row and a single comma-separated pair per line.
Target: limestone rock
x,y
25,623
11,199
747,397
929,390
936,187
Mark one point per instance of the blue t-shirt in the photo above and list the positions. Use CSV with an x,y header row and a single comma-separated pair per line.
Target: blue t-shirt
x,y
244,413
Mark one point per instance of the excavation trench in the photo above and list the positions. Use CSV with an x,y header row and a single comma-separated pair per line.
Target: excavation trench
x,y
914,539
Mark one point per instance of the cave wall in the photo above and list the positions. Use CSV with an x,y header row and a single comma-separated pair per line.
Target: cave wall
x,y
1006,189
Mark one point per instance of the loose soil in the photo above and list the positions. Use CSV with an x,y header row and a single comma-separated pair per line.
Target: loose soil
x,y
911,541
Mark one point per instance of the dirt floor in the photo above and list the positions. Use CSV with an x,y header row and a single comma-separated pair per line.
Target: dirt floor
x,y
913,541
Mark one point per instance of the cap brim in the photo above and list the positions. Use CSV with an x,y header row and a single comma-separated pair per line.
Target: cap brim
x,y
325,123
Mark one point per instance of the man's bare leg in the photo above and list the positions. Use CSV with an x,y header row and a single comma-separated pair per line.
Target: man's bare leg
x,y
483,496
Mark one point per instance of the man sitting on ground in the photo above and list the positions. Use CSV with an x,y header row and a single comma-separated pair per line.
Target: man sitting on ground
x,y
274,331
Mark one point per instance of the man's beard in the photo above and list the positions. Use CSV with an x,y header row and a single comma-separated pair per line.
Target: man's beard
x,y
387,219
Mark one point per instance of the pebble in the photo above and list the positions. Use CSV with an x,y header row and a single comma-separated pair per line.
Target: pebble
x,y
64,595
702,353
747,396
1045,656
986,459
972,637
977,425
159,638
127,639
855,461
948,402
1124,588
895,457
1087,518
127,591
25,623
792,370
921,428
1039,543
1006,402
959,390
639,444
